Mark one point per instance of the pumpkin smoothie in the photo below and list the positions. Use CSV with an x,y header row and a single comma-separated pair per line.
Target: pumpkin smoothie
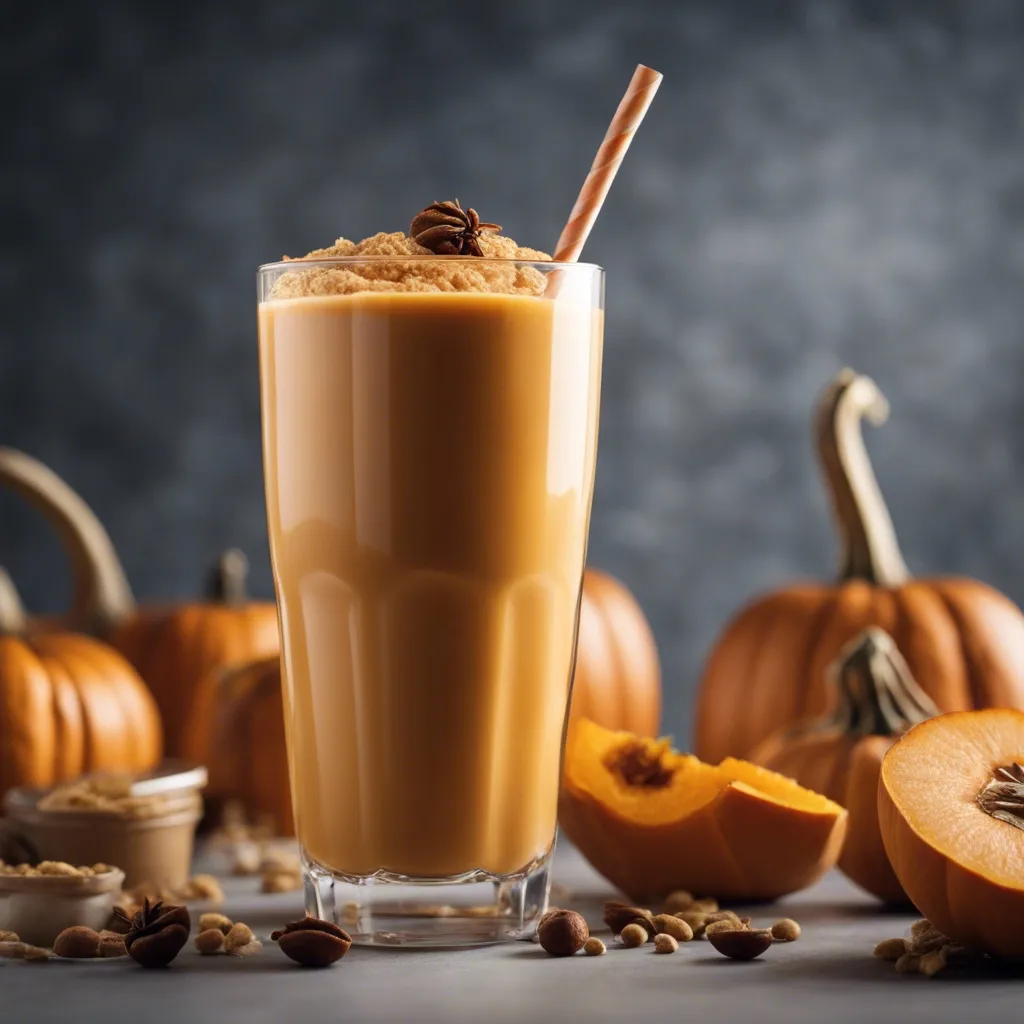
x,y
430,432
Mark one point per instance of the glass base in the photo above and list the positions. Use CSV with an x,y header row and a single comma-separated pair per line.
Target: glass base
x,y
474,909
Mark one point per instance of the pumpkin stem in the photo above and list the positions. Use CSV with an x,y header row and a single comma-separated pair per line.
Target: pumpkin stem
x,y
102,597
878,695
227,580
870,550
12,613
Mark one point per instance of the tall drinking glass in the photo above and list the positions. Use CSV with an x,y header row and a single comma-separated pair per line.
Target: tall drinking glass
x,y
429,461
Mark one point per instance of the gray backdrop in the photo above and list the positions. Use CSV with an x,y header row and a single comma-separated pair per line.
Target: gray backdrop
x,y
816,184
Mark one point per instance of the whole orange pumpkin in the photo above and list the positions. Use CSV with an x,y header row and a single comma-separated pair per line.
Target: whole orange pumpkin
x,y
963,641
617,682
248,757
841,755
69,705
175,647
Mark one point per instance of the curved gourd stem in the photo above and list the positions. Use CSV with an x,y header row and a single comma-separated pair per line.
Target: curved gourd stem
x,y
12,614
102,597
227,582
878,695
869,548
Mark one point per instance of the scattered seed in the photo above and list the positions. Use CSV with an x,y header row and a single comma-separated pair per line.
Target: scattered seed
x,y
593,946
239,936
678,900
786,930
667,924
222,923
664,943
932,963
633,935
210,941
891,949
908,964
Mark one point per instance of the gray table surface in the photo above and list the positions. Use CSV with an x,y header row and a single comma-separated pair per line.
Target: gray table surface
x,y
829,975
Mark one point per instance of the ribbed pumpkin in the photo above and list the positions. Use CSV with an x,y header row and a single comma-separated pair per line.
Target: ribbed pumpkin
x,y
618,679
963,641
841,755
175,647
69,705
248,758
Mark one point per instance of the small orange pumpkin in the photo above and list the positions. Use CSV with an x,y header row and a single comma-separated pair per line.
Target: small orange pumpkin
x,y
841,755
951,808
174,647
69,705
963,641
617,682
652,821
248,756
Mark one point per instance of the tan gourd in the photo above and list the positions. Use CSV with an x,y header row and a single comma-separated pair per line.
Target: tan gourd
x,y
69,705
841,754
175,647
963,641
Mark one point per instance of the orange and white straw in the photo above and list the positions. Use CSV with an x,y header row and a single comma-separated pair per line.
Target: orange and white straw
x,y
642,88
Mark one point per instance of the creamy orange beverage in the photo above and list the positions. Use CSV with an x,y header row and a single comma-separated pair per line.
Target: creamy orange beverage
x,y
430,433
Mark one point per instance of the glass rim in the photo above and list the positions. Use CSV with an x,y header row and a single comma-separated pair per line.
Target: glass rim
x,y
300,261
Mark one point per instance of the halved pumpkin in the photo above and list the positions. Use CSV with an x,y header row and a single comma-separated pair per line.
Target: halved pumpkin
x,y
652,820
951,810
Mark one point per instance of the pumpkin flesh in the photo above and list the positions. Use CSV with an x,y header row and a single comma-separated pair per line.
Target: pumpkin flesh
x,y
652,820
960,865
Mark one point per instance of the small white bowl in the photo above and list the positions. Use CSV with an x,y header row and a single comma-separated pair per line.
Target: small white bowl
x,y
39,907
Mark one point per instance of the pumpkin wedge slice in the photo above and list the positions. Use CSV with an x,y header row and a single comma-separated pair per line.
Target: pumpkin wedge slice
x,y
651,820
951,810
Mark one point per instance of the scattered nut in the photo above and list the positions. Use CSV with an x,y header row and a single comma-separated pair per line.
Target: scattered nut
x,y
724,915
664,943
203,887
678,900
313,943
221,922
111,945
667,924
932,963
707,905
594,946
281,881
922,925
76,943
908,964
210,941
6,936
724,925
34,954
618,915
786,930
696,920
633,935
741,943
246,862
239,935
249,949
891,949
22,951
562,932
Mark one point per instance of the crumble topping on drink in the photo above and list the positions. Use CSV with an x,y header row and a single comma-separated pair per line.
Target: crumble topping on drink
x,y
462,253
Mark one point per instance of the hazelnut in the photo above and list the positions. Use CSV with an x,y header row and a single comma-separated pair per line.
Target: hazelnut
x,y
312,942
667,924
562,932
222,923
633,935
239,935
891,949
76,943
594,946
664,943
678,900
741,943
786,930
210,941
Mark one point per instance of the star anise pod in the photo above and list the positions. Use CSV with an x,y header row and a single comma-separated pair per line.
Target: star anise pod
x,y
448,230
157,934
